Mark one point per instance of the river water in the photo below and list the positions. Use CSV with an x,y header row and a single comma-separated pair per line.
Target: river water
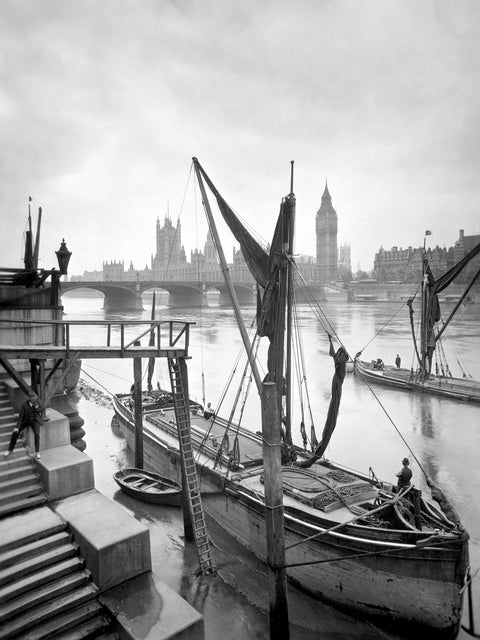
x,y
374,430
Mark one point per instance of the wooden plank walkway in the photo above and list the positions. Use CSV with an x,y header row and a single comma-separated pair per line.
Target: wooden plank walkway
x,y
48,351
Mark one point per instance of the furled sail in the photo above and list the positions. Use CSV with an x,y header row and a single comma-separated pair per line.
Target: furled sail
x,y
255,255
340,358
265,266
432,287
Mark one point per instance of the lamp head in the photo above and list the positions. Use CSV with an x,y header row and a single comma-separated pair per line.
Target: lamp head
x,y
63,257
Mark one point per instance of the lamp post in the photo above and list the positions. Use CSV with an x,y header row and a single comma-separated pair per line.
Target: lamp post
x,y
63,258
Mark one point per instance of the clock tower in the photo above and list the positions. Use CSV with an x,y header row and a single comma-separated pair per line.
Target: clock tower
x,y
326,232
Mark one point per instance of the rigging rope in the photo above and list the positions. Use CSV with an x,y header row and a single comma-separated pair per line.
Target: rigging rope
x,y
106,372
97,382
314,306
387,323
302,381
199,281
394,425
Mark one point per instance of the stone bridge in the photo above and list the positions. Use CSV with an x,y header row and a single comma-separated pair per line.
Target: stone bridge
x,y
127,295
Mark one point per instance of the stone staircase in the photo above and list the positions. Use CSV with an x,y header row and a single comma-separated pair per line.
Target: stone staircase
x,y
45,589
20,487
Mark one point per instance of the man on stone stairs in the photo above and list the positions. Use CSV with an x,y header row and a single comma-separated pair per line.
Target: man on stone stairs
x,y
30,416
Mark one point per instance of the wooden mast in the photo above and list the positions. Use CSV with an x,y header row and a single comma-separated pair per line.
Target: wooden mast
x,y
288,398
228,279
423,319
36,250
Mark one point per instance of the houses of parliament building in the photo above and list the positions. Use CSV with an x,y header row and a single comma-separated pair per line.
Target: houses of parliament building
x,y
170,260
331,264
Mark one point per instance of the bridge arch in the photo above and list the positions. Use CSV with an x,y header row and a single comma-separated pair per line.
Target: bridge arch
x,y
118,296
127,295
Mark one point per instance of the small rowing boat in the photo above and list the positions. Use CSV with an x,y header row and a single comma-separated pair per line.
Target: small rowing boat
x,y
148,486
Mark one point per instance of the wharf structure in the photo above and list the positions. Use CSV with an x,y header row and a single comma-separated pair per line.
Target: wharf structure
x,y
68,555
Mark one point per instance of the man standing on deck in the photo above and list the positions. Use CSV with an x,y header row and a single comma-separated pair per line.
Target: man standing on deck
x,y
404,475
30,416
398,361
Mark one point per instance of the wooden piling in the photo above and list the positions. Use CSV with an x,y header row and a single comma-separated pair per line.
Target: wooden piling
x,y
277,577
137,404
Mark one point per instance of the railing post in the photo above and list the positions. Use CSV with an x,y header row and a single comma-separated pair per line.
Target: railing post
x,y
187,339
67,339
137,406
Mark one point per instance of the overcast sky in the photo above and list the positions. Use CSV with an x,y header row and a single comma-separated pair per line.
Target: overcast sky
x,y
104,102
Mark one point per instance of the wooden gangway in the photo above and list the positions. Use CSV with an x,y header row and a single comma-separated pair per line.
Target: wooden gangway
x,y
122,339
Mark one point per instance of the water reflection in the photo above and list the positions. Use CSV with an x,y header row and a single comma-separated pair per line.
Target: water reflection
x,y
425,416
195,590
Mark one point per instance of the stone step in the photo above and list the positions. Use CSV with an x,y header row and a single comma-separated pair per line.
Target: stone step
x,y
20,505
97,628
40,578
7,426
36,547
41,595
47,615
11,460
23,467
61,626
16,493
38,562
24,528
20,482
4,439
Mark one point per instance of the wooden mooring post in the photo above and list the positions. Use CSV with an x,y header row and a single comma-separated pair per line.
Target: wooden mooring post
x,y
137,404
272,458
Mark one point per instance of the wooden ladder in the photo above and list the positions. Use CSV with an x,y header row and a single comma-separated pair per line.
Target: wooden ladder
x,y
178,376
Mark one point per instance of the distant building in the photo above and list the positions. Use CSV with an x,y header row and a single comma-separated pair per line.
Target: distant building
x,y
405,265
462,246
345,258
170,252
326,234
91,276
307,267
113,270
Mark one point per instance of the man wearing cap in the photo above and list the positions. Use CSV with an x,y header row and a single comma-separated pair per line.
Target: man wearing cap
x,y
404,475
29,416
